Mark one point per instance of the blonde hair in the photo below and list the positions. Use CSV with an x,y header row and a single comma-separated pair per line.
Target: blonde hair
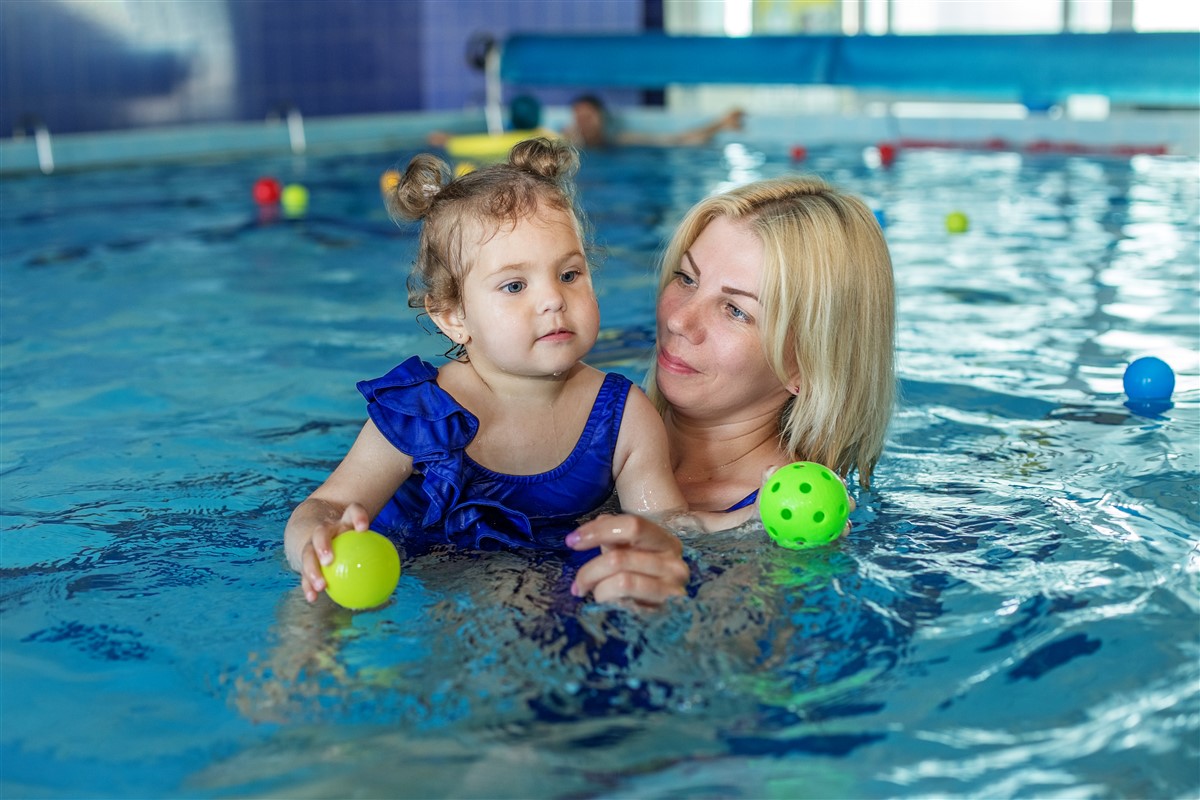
x,y
538,172
828,313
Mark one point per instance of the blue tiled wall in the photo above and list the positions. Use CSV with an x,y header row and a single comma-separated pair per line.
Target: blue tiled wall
x,y
87,65
449,24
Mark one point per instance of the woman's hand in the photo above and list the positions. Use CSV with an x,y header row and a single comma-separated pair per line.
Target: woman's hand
x,y
314,528
639,561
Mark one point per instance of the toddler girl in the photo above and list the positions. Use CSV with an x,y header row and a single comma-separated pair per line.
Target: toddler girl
x,y
514,439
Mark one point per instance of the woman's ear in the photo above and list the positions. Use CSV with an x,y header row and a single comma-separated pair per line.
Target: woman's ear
x,y
795,380
451,322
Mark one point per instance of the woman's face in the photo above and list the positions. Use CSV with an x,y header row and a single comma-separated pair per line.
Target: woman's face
x,y
710,357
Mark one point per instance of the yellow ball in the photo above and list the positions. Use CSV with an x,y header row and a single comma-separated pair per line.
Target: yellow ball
x,y
294,199
364,571
388,181
957,222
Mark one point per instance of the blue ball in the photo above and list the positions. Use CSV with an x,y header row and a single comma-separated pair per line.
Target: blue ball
x,y
1148,379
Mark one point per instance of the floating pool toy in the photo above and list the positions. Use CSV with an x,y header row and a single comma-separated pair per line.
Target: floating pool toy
x,y
294,199
880,217
957,222
364,571
803,505
267,191
483,146
525,112
388,181
463,168
1149,380
799,153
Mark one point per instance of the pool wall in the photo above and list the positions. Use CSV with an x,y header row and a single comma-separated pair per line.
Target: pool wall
x,y
81,66
1039,70
1170,132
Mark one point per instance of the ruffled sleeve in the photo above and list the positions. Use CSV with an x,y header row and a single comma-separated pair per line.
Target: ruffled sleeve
x,y
423,421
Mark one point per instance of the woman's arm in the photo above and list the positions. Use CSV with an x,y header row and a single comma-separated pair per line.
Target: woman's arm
x,y
348,500
642,560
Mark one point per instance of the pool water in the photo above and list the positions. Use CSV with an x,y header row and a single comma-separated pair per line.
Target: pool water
x,y
1014,614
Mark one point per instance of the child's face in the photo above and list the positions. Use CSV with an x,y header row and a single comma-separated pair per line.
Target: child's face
x,y
528,307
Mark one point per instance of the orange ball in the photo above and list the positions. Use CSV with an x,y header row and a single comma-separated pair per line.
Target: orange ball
x,y
388,181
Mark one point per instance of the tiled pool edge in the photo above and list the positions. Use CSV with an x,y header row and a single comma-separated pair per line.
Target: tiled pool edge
x,y
321,134
1175,132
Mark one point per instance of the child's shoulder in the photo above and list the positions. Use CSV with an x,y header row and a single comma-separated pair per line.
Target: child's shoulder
x,y
586,378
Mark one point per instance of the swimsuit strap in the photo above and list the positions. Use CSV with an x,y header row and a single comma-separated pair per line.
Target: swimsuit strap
x,y
745,501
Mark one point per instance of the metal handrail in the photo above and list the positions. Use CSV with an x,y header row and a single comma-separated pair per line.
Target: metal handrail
x,y
41,141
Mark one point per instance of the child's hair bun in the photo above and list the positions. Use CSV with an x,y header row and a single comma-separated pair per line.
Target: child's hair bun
x,y
423,180
550,158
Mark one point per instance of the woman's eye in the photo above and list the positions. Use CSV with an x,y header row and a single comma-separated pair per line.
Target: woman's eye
x,y
512,287
737,313
684,278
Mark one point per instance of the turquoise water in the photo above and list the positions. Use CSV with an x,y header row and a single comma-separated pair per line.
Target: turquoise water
x,y
1014,614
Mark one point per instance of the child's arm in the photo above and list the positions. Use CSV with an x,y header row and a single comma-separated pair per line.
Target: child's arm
x,y
348,500
642,462
645,480
641,560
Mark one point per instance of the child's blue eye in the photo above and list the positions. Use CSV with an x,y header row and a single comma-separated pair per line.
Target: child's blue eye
x,y
570,277
513,287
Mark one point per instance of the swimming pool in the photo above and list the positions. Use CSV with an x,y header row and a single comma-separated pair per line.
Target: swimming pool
x,y
1014,614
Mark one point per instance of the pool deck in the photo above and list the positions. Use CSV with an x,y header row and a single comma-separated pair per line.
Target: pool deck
x,y
1121,133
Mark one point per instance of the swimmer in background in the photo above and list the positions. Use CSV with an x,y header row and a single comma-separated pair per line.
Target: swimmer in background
x,y
513,440
592,128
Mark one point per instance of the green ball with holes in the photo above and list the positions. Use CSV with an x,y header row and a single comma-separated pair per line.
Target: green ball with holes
x,y
803,505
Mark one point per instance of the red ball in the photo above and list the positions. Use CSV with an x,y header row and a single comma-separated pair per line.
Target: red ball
x,y
267,191
887,154
799,153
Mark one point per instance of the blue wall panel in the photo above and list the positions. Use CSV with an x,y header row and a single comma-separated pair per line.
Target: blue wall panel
x,y
1128,67
89,66
449,24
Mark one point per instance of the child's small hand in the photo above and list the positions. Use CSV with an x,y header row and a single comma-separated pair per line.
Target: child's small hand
x,y
319,551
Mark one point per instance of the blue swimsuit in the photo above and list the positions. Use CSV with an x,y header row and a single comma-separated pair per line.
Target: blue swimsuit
x,y
451,499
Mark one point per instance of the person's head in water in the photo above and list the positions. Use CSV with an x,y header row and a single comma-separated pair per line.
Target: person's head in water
x,y
590,120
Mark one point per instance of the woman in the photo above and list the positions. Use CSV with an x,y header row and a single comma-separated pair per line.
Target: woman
x,y
776,318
